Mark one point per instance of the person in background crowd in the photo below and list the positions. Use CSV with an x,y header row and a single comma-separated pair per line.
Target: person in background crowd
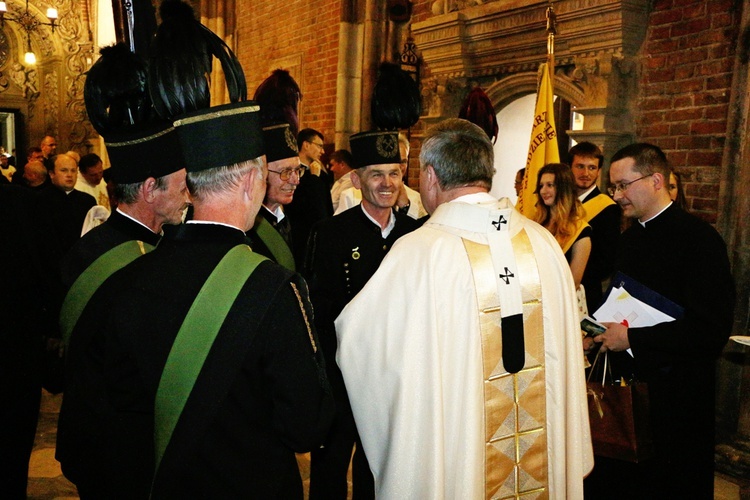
x,y
35,175
602,214
6,170
676,191
312,198
61,209
560,212
341,164
518,181
49,150
91,180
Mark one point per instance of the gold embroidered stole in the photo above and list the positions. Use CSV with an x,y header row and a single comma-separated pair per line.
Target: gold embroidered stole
x,y
515,404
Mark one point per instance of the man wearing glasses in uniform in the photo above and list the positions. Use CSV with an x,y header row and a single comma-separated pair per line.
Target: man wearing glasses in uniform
x,y
271,234
685,260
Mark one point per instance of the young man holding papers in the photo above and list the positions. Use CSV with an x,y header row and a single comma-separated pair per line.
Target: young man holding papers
x,y
683,259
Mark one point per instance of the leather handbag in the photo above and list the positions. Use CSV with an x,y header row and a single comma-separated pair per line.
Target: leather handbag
x,y
619,416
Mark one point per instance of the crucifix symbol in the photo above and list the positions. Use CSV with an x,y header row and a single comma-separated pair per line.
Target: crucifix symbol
x,y
507,276
500,220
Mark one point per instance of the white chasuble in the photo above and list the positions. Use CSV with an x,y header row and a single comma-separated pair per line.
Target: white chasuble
x,y
420,348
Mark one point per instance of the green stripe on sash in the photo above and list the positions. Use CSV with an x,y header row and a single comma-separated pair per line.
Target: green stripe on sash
x,y
89,281
275,243
195,338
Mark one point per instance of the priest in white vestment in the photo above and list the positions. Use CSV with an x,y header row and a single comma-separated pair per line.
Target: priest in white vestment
x,y
476,390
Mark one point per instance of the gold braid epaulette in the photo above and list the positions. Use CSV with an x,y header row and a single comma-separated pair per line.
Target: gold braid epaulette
x,y
304,316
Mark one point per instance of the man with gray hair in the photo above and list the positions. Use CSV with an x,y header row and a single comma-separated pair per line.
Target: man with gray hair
x,y
476,389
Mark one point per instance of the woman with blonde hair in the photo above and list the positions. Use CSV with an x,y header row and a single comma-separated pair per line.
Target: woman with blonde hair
x,y
561,213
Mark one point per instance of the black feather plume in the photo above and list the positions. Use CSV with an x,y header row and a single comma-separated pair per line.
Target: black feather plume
x,y
116,90
278,97
396,102
478,109
180,63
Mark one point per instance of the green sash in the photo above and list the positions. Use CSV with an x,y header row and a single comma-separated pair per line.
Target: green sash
x,y
89,281
275,243
195,338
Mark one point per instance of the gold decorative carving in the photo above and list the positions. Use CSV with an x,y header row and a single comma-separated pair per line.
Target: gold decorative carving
x,y
51,109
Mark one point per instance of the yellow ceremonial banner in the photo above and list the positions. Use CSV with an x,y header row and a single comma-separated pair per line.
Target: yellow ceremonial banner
x,y
543,144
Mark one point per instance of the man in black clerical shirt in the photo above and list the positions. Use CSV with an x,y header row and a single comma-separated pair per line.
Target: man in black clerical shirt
x,y
685,260
61,209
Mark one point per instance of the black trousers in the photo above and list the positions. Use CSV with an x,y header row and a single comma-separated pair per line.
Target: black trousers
x,y
20,397
329,465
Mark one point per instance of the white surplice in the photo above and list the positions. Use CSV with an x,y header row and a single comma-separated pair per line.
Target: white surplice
x,y
411,354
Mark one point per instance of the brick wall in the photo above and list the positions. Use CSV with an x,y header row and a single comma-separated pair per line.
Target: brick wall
x,y
270,34
686,75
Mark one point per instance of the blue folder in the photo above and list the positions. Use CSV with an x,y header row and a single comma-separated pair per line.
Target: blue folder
x,y
646,295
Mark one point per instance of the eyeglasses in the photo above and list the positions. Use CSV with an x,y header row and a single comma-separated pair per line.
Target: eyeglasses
x,y
319,144
623,186
286,174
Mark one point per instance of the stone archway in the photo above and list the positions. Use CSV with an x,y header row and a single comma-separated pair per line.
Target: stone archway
x,y
500,46
514,86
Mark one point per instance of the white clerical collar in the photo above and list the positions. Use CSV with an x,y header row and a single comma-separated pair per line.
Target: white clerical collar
x,y
212,223
133,219
475,198
643,223
384,232
587,192
278,213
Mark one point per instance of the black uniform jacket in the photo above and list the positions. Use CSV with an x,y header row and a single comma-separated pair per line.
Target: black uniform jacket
x,y
605,233
343,253
261,396
61,216
77,433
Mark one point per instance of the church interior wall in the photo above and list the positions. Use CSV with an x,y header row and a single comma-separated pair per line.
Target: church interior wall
x,y
673,88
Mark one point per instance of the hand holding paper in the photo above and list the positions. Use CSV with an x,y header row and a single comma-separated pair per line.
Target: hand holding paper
x,y
615,338
636,306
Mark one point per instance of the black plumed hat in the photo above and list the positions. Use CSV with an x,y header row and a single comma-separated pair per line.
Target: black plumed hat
x,y
396,102
140,145
180,62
